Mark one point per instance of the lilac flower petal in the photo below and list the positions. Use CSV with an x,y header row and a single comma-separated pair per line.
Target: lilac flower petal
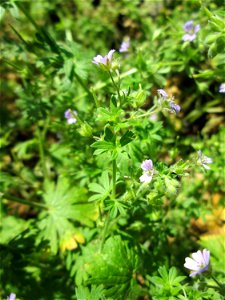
x,y
146,178
110,54
206,256
104,60
189,37
97,59
191,264
69,116
199,154
199,271
204,160
198,257
197,28
174,107
71,121
124,47
208,160
162,93
147,165
12,296
206,167
188,26
222,88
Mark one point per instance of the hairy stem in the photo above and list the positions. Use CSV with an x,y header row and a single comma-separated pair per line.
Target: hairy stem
x,y
25,202
83,85
152,111
105,229
114,180
116,86
216,281
42,154
101,85
107,219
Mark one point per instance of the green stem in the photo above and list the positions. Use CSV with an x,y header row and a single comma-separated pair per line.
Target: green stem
x,y
114,180
83,85
116,86
25,202
42,154
105,229
101,85
107,219
216,281
150,112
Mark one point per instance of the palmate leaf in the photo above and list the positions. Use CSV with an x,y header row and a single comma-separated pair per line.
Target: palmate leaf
x,y
168,283
102,189
96,293
114,268
65,205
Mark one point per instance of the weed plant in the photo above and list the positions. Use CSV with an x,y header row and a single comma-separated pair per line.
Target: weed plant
x,y
112,146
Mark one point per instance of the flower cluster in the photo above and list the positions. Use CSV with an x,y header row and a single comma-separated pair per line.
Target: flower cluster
x,y
222,88
125,45
191,31
104,62
69,115
204,160
199,262
148,171
167,103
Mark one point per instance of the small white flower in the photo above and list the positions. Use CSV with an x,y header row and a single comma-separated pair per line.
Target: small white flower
x,y
145,178
148,171
222,88
69,115
199,262
104,62
204,160
124,47
11,297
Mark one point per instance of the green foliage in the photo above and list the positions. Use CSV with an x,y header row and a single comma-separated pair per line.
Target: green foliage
x,y
96,293
65,204
76,222
115,268
168,285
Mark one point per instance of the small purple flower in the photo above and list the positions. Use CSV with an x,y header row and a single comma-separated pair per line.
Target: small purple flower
x,y
104,62
162,93
69,115
125,45
188,26
222,88
174,108
153,117
148,171
147,165
191,31
11,297
199,262
204,160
